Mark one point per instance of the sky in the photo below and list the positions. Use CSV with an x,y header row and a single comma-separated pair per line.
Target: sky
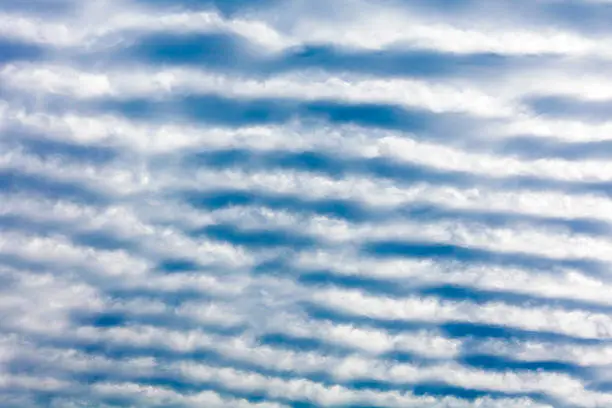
x,y
306,203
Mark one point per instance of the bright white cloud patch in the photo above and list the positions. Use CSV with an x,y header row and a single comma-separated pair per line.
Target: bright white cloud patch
x,y
310,203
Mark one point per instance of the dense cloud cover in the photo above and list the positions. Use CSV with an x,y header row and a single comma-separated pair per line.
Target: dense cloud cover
x,y
339,203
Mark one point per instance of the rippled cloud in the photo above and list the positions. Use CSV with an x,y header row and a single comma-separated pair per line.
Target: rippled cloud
x,y
305,204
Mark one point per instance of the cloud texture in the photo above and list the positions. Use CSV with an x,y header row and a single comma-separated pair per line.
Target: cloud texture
x,y
334,203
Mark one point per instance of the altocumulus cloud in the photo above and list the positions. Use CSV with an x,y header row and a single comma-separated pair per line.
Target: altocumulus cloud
x,y
339,203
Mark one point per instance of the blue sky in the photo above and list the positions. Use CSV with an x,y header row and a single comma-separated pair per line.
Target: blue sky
x,y
338,203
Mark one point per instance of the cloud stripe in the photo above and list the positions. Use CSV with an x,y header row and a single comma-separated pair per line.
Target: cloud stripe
x,y
421,34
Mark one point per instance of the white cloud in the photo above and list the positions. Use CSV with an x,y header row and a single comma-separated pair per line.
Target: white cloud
x,y
559,284
106,288
577,323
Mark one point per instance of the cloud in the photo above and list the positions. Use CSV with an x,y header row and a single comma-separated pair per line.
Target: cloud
x,y
339,203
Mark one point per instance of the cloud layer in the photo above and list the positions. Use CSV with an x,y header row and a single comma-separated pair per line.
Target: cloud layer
x,y
305,204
